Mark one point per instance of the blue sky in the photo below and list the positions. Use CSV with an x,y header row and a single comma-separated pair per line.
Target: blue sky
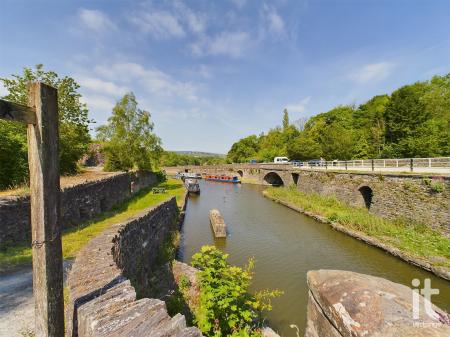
x,y
211,72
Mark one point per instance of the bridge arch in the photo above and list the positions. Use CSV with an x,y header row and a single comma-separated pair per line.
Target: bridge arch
x,y
295,177
367,195
272,178
240,172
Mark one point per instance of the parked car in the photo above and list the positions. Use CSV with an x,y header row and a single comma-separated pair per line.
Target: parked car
x,y
297,163
315,162
281,160
253,161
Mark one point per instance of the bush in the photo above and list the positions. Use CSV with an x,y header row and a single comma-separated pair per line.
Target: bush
x,y
225,305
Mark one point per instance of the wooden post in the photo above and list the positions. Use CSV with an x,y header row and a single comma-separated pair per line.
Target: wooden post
x,y
43,159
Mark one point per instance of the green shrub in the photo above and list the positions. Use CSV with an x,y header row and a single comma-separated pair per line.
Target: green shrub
x,y
437,186
225,305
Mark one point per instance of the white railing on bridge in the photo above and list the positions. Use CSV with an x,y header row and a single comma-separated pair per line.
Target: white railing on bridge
x,y
435,165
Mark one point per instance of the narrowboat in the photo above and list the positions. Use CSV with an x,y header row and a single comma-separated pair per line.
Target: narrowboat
x,y
192,185
223,179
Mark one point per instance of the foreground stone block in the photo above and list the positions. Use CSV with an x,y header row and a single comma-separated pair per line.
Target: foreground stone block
x,y
343,303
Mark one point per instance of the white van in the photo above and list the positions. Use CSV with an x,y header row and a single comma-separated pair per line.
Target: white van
x,y
281,160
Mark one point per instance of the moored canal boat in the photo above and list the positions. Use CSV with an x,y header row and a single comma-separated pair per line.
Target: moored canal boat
x,y
223,179
192,185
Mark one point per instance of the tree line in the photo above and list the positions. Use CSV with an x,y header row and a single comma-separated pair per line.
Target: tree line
x,y
127,139
413,121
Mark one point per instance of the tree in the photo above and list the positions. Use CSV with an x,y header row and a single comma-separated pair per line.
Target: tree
x,y
285,119
304,148
73,119
244,150
129,139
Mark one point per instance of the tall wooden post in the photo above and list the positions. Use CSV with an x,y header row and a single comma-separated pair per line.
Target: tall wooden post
x,y
43,161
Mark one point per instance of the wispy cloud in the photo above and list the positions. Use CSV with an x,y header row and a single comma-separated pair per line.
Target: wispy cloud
x,y
101,86
233,44
300,106
374,72
196,22
272,20
98,102
95,20
160,24
152,80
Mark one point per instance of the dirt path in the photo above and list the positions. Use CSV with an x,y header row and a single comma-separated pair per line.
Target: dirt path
x,y
17,303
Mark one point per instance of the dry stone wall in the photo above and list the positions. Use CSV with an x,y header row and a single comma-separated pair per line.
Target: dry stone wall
x,y
79,203
107,273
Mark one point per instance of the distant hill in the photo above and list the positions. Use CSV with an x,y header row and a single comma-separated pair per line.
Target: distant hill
x,y
199,154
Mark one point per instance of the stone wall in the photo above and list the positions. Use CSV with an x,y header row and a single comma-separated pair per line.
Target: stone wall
x,y
348,304
103,280
79,203
137,244
390,196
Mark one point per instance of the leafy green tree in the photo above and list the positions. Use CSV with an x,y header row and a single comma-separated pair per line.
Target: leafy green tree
x,y
404,113
226,308
304,148
129,139
73,119
285,119
244,150
13,154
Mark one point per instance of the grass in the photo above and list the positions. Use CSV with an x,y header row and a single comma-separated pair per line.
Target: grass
x,y
413,238
73,239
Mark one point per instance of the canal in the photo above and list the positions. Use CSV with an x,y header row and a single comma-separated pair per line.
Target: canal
x,y
285,245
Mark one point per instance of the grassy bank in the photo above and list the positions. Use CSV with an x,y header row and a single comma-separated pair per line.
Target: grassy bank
x,y
414,239
73,239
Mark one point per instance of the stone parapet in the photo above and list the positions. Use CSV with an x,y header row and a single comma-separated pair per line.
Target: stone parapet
x,y
102,282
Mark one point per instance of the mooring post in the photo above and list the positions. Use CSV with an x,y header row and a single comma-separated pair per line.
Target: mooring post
x,y
411,164
43,159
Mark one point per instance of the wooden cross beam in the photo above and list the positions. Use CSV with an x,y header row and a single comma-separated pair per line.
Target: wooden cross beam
x,y
17,112
43,159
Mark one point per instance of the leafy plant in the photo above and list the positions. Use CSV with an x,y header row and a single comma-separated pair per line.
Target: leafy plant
x,y
225,306
437,186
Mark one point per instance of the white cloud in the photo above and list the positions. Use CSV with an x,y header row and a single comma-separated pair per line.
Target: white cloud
x,y
300,106
160,24
95,20
153,80
98,102
373,72
196,22
232,44
273,20
104,87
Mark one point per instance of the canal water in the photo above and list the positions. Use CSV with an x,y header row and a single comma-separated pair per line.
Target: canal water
x,y
285,245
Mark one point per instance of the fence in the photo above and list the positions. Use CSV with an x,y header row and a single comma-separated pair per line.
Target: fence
x,y
432,165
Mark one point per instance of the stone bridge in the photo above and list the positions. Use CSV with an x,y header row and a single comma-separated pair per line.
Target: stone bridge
x,y
419,197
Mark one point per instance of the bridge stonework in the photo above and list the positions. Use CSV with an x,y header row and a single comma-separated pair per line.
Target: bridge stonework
x,y
420,198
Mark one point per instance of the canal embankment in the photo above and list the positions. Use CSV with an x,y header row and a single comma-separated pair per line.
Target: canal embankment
x,y
414,243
